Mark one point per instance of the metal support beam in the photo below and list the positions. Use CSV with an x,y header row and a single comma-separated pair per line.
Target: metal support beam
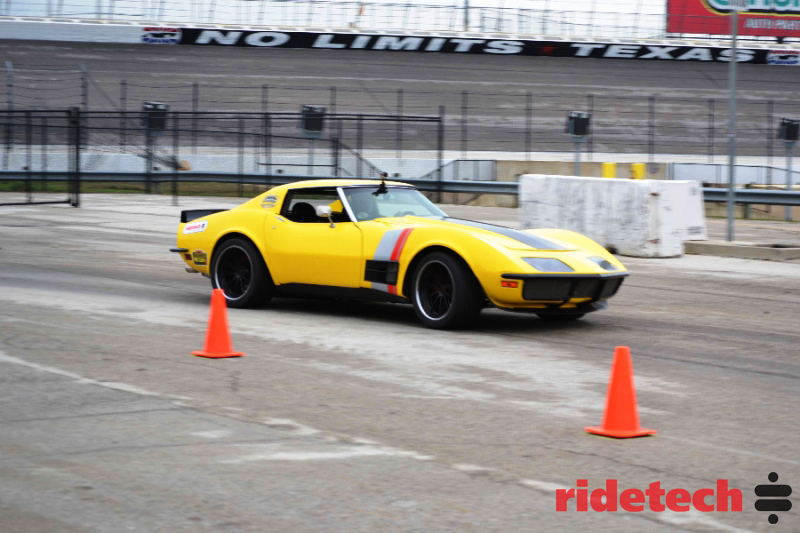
x,y
732,126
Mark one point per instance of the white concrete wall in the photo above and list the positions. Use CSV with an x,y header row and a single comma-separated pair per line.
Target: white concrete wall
x,y
639,218
78,31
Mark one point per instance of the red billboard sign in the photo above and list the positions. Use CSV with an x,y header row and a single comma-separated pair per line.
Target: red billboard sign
x,y
778,18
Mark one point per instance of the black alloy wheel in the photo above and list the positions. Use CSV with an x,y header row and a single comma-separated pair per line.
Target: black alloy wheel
x,y
239,270
445,293
435,289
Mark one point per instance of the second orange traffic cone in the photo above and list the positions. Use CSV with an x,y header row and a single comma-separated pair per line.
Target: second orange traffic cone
x,y
621,419
218,336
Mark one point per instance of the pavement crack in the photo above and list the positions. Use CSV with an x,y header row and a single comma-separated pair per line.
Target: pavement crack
x,y
627,463
89,415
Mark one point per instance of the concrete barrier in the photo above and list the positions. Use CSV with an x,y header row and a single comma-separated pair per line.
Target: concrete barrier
x,y
73,30
641,218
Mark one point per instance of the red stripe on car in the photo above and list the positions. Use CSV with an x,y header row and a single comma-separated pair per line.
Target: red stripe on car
x,y
401,242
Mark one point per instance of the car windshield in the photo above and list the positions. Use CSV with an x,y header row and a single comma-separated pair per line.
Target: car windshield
x,y
395,202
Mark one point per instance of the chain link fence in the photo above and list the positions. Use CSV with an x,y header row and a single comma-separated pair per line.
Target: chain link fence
x,y
510,121
238,149
624,19
40,155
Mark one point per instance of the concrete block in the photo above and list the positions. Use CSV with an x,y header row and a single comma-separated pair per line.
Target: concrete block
x,y
642,218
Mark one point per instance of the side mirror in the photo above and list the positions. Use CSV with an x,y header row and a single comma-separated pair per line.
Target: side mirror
x,y
324,211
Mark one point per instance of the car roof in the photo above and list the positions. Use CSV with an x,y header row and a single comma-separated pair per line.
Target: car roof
x,y
338,183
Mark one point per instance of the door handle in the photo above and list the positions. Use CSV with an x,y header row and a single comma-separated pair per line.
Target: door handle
x,y
280,218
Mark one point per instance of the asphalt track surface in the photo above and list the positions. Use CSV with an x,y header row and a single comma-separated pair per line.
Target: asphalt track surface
x,y
368,81
352,417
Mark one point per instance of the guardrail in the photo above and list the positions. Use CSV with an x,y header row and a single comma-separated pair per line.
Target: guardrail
x,y
711,194
750,196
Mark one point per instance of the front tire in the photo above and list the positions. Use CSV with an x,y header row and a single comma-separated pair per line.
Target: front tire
x,y
445,293
238,268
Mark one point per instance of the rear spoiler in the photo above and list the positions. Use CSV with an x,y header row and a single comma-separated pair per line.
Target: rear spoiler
x,y
193,214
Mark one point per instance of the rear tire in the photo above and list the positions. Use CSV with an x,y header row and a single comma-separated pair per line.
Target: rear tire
x,y
238,268
445,293
560,318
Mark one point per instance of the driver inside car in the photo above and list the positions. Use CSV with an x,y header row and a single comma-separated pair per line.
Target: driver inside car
x,y
364,204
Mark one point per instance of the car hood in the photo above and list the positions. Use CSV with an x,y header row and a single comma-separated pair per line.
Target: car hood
x,y
499,235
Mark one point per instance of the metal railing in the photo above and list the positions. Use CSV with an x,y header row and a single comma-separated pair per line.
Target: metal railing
x,y
743,196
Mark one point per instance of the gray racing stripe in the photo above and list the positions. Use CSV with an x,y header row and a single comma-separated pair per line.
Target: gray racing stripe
x,y
526,238
384,250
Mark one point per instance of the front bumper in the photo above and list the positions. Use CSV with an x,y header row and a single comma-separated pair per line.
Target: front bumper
x,y
566,291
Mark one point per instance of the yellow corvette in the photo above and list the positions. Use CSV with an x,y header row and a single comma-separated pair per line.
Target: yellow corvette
x,y
373,240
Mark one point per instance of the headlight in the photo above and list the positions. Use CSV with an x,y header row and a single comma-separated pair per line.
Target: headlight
x,y
603,263
548,265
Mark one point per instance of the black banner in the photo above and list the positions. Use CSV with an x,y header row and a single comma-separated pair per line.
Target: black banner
x,y
450,45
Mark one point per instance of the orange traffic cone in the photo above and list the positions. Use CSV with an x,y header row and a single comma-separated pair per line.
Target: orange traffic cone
x,y
218,336
621,419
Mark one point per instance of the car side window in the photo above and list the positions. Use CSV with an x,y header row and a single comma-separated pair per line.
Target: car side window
x,y
300,205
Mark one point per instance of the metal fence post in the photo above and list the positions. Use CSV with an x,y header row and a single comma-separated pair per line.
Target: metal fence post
x,y
10,124
84,99
175,156
788,209
332,105
267,150
440,153
123,104
590,136
28,156
464,114
528,124
711,130
652,142
9,116
84,87
399,146
264,98
310,162
148,160
240,186
44,143
335,148
770,134
75,118
195,109
359,143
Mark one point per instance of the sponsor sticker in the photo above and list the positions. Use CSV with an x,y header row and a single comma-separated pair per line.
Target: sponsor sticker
x,y
199,257
195,227
157,35
783,57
